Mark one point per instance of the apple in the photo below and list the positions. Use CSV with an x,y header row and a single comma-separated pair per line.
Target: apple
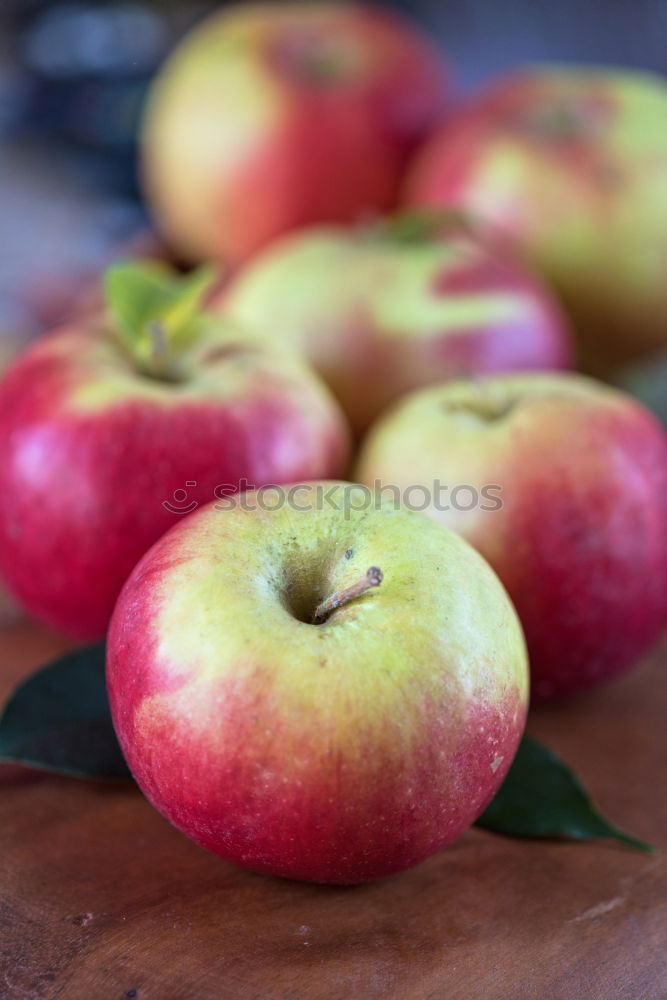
x,y
112,429
379,310
313,687
268,117
570,165
12,341
561,483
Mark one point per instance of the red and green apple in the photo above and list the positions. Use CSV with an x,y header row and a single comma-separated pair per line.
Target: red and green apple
x,y
313,688
561,483
112,428
570,165
383,309
269,117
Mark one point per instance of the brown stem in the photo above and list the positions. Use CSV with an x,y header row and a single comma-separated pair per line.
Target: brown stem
x,y
372,578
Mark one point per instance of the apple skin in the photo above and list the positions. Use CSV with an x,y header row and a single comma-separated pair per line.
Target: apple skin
x,y
11,343
580,541
269,117
341,752
571,166
90,450
378,315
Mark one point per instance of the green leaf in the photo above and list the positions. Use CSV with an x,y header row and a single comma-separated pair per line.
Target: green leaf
x,y
59,719
188,292
542,797
136,293
142,293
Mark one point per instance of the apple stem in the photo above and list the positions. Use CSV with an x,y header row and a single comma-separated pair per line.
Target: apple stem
x,y
372,578
159,350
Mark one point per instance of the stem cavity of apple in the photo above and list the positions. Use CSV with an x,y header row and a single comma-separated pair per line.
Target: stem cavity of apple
x,y
485,402
372,578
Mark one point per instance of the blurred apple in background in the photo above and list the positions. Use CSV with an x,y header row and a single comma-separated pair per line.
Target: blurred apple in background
x,y
571,165
102,424
383,309
337,745
561,483
268,117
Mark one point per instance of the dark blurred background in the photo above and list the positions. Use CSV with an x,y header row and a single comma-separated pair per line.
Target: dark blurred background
x,y
73,75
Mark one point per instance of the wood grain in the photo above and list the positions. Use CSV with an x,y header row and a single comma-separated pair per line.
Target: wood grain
x,y
100,898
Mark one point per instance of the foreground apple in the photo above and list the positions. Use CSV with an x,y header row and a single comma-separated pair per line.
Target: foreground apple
x,y
572,166
381,310
273,116
106,439
561,484
316,689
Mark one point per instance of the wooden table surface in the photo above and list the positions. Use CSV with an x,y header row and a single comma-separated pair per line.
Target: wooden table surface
x,y
100,899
